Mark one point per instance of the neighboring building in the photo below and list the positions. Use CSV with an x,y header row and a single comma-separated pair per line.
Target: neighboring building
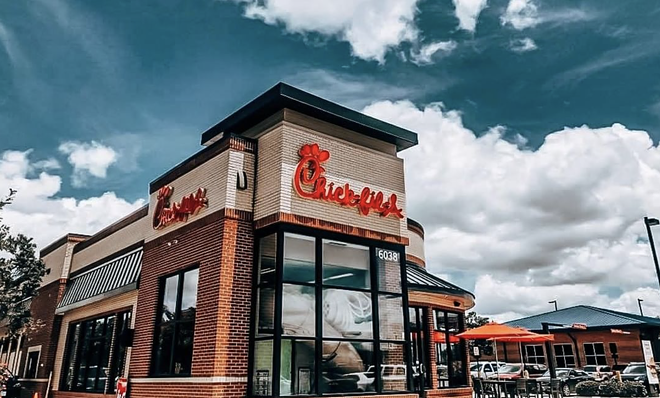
x,y
277,261
590,336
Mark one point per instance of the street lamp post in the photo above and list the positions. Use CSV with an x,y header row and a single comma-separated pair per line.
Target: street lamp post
x,y
553,302
649,222
639,302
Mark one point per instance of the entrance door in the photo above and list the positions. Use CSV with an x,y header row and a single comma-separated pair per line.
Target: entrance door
x,y
420,344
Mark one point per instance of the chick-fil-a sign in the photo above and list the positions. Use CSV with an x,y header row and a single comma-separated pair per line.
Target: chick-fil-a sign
x,y
166,214
309,182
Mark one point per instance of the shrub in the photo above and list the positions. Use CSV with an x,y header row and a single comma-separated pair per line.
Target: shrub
x,y
587,388
633,389
611,388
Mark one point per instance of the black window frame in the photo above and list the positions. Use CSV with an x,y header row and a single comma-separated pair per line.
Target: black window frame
x,y
450,355
30,372
279,230
422,344
175,323
561,355
538,359
595,356
122,321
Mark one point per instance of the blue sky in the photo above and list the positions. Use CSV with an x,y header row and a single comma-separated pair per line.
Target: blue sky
x,y
99,98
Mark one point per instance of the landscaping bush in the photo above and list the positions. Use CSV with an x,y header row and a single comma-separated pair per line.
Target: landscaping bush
x,y
611,388
633,389
587,388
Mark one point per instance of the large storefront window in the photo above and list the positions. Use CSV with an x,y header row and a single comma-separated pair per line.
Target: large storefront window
x,y
450,350
330,318
595,354
175,325
95,356
419,338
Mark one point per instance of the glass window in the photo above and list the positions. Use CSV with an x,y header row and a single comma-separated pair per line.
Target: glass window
x,y
331,293
450,350
347,313
298,310
90,364
32,364
346,365
174,333
389,270
595,354
299,259
267,255
297,367
564,355
390,317
346,265
535,354
262,376
393,367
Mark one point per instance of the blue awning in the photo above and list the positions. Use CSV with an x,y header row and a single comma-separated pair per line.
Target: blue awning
x,y
114,277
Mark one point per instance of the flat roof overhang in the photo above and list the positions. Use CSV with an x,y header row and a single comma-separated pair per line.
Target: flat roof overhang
x,y
283,96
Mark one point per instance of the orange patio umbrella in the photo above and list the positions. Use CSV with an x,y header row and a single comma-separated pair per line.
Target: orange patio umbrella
x,y
497,332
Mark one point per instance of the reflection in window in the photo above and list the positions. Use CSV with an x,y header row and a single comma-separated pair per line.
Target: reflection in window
x,y
345,265
337,283
262,377
299,259
174,333
298,310
267,254
348,367
347,314
297,367
450,350
89,363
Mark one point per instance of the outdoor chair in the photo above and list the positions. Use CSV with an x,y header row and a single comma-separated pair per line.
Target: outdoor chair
x,y
555,388
534,388
522,389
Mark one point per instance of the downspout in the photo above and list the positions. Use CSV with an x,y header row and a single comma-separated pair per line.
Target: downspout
x,y
576,352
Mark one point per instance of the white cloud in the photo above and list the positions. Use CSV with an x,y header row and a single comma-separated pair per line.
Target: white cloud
x,y
425,54
38,212
88,159
566,217
521,14
467,12
523,45
371,27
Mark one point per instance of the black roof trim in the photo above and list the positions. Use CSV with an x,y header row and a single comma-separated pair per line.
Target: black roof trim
x,y
420,279
283,96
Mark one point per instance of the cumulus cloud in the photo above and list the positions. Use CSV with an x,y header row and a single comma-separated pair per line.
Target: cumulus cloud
x,y
523,45
521,14
371,27
467,12
88,159
565,217
424,56
38,212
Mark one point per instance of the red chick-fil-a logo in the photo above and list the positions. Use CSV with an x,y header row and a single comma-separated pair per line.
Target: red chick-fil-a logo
x,y
166,214
310,173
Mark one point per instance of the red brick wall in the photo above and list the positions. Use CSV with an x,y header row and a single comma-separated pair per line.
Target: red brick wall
x,y
629,346
222,245
44,333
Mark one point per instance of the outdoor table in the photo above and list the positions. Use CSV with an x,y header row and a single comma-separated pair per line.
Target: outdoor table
x,y
508,387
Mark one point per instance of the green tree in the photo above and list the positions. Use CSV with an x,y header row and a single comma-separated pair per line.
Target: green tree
x,y
21,273
473,320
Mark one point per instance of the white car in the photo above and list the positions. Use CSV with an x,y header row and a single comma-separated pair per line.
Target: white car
x,y
365,380
484,370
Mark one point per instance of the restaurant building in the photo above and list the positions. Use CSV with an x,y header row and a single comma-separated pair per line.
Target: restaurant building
x,y
276,261
586,335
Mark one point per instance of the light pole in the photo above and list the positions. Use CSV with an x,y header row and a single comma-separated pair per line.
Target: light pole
x,y
553,302
649,222
639,302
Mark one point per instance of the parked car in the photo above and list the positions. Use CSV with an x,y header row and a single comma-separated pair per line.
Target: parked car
x,y
599,372
365,380
513,371
338,383
569,379
636,371
483,370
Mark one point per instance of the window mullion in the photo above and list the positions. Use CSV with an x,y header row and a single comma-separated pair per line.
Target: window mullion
x,y
277,324
375,319
318,291
406,320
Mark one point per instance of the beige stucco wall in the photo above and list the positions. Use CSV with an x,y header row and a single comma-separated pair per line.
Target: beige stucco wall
x,y
349,163
122,301
54,261
416,245
218,176
111,244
